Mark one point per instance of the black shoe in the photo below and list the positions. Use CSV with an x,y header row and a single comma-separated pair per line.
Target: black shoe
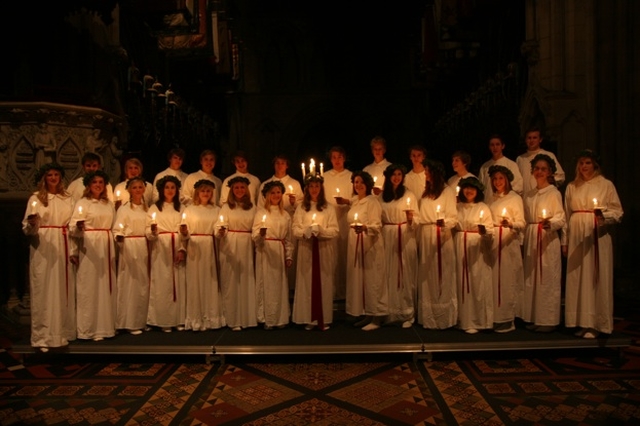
x,y
366,320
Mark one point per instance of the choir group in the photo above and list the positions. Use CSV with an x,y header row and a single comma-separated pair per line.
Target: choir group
x,y
192,252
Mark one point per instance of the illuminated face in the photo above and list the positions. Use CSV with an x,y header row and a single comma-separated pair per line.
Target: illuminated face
x,y
207,163
496,147
417,157
169,192
132,170
378,150
337,160
533,140
586,168
396,178
136,190
241,164
359,186
280,167
469,193
499,181
91,166
96,186
239,190
275,195
205,194
52,180
314,189
175,162
541,170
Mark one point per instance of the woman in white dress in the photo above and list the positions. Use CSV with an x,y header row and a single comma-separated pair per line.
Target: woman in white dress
x,y
133,260
95,256
204,303
237,276
473,251
51,278
132,169
399,224
437,295
167,286
508,276
544,214
274,256
592,206
315,225
367,292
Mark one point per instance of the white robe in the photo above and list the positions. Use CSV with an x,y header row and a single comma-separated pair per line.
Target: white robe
x,y
415,182
437,295
508,273
367,292
96,282
133,267
51,275
401,256
272,284
542,268
589,300
334,181
376,170
473,260
204,302
328,231
167,288
237,276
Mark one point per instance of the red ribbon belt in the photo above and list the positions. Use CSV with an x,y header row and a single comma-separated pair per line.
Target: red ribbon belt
x,y
399,225
173,262
596,249
465,264
500,267
284,247
66,255
360,244
108,231
317,313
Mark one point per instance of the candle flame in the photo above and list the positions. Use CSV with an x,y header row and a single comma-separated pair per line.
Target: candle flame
x,y
595,202
438,208
264,217
153,216
337,190
291,189
34,204
121,226
544,213
481,214
80,210
504,211
355,217
221,218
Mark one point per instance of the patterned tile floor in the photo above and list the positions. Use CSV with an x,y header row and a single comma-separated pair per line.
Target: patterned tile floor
x,y
577,387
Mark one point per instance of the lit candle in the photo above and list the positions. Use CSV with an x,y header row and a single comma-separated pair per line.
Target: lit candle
x,y
408,203
221,219
184,216
121,227
481,214
312,167
595,203
80,211
337,192
153,218
457,190
264,218
544,213
438,211
504,213
313,219
303,172
290,189
321,169
118,195
355,218
375,179
33,207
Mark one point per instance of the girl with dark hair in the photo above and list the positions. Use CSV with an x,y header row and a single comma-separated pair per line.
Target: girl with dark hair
x,y
204,306
544,215
95,256
399,206
51,278
167,283
314,226
592,205
437,300
473,249
237,280
133,261
367,293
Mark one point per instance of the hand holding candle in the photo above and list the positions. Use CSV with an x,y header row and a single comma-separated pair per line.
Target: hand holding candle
x,y
183,224
439,218
482,230
545,219
504,221
154,225
120,237
263,226
80,221
597,209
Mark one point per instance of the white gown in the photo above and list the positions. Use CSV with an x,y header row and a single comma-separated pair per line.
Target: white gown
x,y
473,254
542,257
204,302
51,275
437,295
508,273
96,284
272,284
167,288
133,267
401,256
589,290
237,276
306,297
367,292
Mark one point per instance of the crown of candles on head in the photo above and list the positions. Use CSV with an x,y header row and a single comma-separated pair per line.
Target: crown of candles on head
x,y
312,169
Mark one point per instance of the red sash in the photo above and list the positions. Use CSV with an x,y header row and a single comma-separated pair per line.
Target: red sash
x,y
66,255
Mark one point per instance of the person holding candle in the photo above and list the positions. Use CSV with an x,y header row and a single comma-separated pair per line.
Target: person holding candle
x,y
132,168
437,297
497,146
367,292
533,139
415,179
175,157
241,163
91,162
473,249
207,164
204,305
236,256
167,283
592,206
399,223
95,255
133,262
380,163
315,226
51,278
508,276
274,256
338,187
544,214
292,194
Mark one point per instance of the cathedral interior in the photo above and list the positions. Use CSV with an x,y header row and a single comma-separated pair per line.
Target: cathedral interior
x,y
128,78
